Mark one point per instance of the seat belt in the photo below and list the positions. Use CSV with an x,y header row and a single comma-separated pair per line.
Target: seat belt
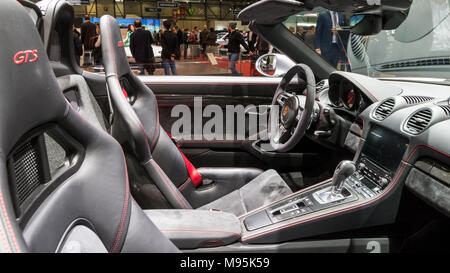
x,y
195,176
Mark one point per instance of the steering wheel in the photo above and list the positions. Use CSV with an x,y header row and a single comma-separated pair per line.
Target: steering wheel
x,y
292,115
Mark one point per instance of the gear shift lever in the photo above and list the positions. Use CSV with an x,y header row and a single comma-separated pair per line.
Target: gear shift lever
x,y
343,170
334,193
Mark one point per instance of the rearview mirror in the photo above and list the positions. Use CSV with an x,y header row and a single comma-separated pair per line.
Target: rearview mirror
x,y
273,65
365,24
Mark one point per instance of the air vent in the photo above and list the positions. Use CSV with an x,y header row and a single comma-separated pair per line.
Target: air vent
x,y
418,121
416,99
384,109
446,109
319,86
27,169
416,63
358,45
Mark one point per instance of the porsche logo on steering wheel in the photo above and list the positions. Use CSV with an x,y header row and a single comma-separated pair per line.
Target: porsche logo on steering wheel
x,y
285,110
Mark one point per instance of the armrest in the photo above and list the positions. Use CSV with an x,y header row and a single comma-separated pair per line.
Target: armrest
x,y
240,175
197,228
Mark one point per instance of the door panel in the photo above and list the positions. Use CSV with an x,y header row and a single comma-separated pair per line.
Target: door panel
x,y
221,91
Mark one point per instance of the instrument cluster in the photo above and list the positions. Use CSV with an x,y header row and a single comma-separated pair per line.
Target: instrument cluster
x,y
344,94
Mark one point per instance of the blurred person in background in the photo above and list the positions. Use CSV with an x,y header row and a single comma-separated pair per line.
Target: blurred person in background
x,y
252,37
77,45
158,37
97,45
301,32
141,47
262,46
211,41
309,36
179,33
329,39
129,32
177,54
203,37
155,36
197,35
186,35
235,41
169,43
292,29
88,30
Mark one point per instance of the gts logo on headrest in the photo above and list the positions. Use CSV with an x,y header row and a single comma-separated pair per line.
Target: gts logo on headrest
x,y
26,56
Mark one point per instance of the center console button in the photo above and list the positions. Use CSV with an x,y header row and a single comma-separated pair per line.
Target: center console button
x,y
383,181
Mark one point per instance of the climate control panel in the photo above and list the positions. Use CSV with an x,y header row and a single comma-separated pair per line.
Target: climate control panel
x,y
369,178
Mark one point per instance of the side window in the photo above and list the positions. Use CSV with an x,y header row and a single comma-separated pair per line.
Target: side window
x,y
220,48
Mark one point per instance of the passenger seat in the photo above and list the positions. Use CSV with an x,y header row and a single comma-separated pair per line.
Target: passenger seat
x,y
84,205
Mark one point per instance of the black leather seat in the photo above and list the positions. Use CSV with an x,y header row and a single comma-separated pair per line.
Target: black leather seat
x,y
82,203
136,125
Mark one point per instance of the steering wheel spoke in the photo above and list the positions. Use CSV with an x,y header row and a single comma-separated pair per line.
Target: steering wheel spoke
x,y
282,97
281,134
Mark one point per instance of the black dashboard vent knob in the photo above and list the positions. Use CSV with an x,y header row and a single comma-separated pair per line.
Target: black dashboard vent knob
x,y
384,109
419,121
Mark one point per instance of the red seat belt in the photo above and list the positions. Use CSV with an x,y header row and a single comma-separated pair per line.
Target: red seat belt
x,y
195,176
125,93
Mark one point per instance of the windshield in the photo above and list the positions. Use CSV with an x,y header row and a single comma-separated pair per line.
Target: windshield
x,y
419,47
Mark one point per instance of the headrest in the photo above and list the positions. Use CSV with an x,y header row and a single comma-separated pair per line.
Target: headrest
x,y
114,57
30,95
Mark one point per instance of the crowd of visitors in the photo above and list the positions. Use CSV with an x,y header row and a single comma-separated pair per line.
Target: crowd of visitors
x,y
176,44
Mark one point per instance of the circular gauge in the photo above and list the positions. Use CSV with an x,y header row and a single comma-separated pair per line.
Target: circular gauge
x,y
348,95
334,95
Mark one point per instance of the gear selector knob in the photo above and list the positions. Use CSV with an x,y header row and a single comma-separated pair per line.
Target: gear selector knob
x,y
343,170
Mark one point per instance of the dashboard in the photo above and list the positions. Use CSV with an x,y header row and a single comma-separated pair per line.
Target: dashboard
x,y
404,139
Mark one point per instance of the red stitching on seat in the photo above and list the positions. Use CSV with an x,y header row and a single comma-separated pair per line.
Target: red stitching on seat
x,y
157,124
8,223
125,206
184,184
390,187
169,183
116,77
4,240
127,191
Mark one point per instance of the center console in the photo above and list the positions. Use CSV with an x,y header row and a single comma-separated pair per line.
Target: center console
x,y
378,161
349,200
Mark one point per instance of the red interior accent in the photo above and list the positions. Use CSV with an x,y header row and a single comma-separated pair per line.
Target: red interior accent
x,y
195,176
125,93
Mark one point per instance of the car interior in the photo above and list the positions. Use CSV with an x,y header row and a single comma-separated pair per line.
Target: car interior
x,y
88,164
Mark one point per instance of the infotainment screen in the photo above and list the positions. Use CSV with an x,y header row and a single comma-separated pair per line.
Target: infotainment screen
x,y
385,147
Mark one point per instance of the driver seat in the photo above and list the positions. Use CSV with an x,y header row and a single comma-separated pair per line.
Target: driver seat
x,y
136,126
